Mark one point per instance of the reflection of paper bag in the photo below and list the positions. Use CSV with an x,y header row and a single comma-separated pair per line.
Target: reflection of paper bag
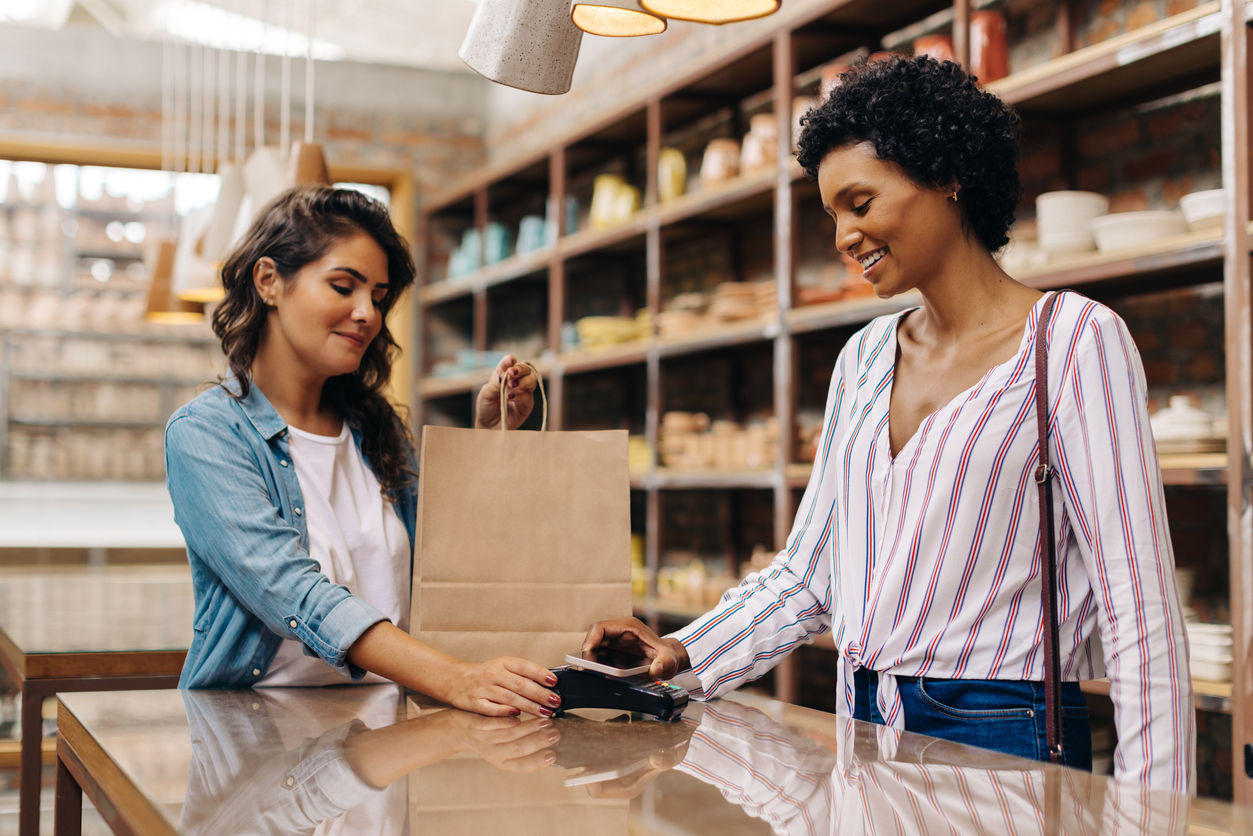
x,y
524,540
466,796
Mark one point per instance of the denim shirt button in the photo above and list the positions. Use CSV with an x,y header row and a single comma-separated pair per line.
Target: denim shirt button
x,y
298,512
293,624
283,462
256,671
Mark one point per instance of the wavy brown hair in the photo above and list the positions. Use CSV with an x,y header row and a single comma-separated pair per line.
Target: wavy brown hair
x,y
296,229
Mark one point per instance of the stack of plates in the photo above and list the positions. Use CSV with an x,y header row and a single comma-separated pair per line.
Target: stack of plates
x,y
734,300
1210,658
1063,219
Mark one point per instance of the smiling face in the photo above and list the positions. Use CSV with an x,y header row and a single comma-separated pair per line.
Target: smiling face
x,y
325,316
898,230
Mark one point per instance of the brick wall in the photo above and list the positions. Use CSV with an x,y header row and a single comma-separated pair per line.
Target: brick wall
x,y
81,85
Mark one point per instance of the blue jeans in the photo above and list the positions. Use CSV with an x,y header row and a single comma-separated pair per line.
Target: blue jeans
x,y
1002,715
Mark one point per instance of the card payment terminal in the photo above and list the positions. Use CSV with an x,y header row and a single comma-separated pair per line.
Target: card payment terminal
x,y
592,689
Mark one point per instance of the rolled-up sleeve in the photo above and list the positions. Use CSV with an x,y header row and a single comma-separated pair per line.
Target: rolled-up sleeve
x,y
759,622
231,521
1112,493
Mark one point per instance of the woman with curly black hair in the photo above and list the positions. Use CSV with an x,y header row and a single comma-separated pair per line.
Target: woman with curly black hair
x,y
919,540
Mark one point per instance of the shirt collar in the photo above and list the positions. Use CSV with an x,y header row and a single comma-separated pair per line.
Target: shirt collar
x,y
265,420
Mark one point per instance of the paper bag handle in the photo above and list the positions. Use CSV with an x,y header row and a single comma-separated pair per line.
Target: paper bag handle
x,y
504,398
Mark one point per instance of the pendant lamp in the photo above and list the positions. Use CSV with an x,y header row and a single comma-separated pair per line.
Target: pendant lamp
x,y
615,18
712,11
308,162
307,165
222,230
194,276
161,307
532,45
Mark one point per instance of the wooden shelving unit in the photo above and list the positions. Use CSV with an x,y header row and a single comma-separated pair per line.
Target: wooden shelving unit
x,y
1183,53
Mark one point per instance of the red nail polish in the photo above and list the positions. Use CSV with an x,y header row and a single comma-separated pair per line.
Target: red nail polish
x,y
515,711
554,700
551,680
545,712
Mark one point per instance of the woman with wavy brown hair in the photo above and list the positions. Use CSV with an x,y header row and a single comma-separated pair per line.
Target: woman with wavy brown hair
x,y
293,480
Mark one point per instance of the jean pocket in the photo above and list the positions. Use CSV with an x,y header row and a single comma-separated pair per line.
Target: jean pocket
x,y
984,700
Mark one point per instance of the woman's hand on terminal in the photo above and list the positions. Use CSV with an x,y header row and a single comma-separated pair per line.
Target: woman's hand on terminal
x,y
521,383
503,687
666,656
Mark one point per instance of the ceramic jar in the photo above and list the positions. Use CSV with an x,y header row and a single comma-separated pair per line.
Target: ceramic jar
x,y
939,47
831,78
721,163
671,174
614,201
761,145
800,106
989,48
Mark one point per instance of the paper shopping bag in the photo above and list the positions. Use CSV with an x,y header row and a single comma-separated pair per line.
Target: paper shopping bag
x,y
523,541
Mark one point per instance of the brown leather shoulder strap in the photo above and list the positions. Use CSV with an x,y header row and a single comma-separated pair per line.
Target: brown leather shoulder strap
x,y
1048,590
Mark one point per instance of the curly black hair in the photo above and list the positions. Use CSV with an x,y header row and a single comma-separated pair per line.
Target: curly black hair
x,y
937,124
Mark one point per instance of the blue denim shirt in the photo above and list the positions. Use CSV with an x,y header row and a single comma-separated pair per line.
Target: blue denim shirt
x,y
239,505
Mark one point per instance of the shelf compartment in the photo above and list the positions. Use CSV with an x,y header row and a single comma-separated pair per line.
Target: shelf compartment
x,y
664,478
845,313
60,377
590,240
1183,48
798,474
723,336
511,268
1208,696
1169,255
719,201
442,387
1194,469
84,423
625,354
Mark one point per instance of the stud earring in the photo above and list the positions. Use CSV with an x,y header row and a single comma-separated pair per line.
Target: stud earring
x,y
953,196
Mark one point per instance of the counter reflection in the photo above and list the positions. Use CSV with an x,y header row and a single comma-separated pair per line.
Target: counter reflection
x,y
330,761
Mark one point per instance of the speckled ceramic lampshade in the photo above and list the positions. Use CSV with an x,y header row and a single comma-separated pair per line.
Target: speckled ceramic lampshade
x,y
615,18
528,44
712,11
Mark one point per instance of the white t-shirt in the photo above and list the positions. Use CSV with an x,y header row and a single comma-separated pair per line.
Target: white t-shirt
x,y
356,537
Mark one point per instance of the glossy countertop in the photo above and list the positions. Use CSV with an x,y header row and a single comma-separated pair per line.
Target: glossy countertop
x,y
368,760
46,610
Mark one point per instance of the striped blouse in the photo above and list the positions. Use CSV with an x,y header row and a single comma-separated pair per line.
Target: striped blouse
x,y
927,563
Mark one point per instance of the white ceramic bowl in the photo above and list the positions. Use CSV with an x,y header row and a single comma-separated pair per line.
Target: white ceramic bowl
x,y
1204,210
1127,230
1206,653
1061,242
1206,629
1067,212
1210,671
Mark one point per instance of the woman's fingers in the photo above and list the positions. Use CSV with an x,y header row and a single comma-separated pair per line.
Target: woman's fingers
x,y
530,763
505,696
